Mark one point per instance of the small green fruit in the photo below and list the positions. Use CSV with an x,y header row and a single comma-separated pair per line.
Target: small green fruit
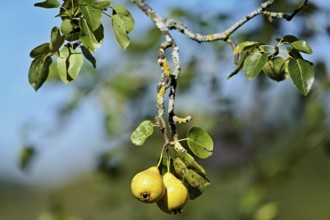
x,y
147,186
274,68
176,195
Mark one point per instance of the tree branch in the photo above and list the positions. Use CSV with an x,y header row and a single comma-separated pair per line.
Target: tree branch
x,y
288,17
169,78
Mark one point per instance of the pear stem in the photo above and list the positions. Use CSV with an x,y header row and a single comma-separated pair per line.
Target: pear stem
x,y
161,156
168,161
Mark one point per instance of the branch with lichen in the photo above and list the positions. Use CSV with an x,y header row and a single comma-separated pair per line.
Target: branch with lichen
x,y
170,77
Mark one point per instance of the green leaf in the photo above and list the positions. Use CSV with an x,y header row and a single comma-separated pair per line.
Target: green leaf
x,y
87,37
120,31
240,63
92,15
302,46
56,40
302,74
68,64
242,46
253,64
197,183
287,39
296,43
40,50
99,4
200,142
39,71
180,167
195,180
48,4
88,55
126,16
192,163
142,132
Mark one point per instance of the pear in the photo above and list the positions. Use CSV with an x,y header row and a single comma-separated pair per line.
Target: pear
x,y
147,186
176,195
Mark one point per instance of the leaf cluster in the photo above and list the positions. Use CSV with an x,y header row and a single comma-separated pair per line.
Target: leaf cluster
x,y
81,26
276,63
182,162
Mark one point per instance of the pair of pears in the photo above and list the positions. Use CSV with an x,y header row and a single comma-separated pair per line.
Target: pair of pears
x,y
168,192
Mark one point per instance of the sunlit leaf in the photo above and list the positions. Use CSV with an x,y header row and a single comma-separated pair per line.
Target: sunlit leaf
x,y
200,142
192,163
302,74
69,63
92,15
253,64
302,46
142,132
39,70
48,4
180,167
99,4
87,36
126,16
242,46
120,31
195,180
56,40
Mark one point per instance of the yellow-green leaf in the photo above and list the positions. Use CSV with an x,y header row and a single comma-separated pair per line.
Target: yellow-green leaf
x,y
242,46
87,36
92,15
120,31
142,132
69,63
126,16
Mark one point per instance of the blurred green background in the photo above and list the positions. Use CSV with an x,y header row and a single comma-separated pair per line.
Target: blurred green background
x,y
272,147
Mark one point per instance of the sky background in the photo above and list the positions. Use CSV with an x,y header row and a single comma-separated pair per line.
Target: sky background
x,y
24,27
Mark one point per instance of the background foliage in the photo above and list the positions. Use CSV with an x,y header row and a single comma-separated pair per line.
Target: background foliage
x,y
271,146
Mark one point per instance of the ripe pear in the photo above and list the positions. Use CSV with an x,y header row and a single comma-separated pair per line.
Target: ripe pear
x,y
147,186
176,195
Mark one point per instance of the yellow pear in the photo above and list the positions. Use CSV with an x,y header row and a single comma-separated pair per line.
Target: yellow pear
x,y
147,186
176,195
